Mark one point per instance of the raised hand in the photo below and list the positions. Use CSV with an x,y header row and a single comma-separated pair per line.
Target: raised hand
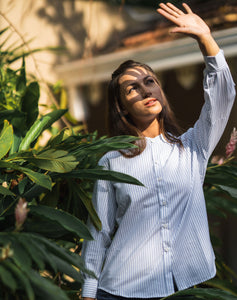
x,y
190,24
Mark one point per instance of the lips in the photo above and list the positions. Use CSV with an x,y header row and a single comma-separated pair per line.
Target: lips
x,y
150,101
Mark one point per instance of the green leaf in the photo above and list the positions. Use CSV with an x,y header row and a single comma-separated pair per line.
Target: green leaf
x,y
231,191
41,257
7,278
203,293
21,79
81,194
22,185
34,191
91,148
45,288
95,174
223,285
66,268
39,178
47,228
70,257
15,117
6,192
39,126
53,197
221,202
52,160
22,278
33,249
16,141
57,139
30,103
221,176
66,220
6,139
20,255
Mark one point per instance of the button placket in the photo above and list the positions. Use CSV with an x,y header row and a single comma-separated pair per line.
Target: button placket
x,y
158,147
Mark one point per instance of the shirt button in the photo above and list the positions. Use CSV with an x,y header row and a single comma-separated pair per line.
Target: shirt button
x,y
166,249
159,179
164,203
165,226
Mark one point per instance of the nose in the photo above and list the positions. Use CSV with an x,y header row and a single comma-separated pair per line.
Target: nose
x,y
146,92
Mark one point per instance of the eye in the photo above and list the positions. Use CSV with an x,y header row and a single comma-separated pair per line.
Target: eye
x,y
150,81
131,89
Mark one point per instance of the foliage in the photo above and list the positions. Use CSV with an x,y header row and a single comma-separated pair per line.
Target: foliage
x,y
45,192
221,199
45,196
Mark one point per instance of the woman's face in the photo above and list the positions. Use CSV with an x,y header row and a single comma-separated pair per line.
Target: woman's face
x,y
140,95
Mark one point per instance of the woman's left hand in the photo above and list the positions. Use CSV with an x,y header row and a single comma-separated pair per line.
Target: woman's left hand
x,y
187,23
191,25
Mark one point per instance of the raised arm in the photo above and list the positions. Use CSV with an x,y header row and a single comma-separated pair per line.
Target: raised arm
x,y
191,25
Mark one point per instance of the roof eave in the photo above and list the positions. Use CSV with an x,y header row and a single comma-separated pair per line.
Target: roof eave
x,y
160,57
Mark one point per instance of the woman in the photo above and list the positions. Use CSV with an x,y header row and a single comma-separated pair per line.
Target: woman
x,y
155,239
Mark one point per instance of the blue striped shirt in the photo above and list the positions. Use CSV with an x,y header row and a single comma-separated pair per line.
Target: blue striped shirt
x,y
162,228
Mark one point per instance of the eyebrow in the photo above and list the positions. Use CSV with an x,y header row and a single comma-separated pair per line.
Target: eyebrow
x,y
127,83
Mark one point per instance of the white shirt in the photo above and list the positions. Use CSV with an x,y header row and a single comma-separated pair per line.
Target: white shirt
x,y
162,227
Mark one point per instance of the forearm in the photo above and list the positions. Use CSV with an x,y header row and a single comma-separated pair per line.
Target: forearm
x,y
208,45
219,93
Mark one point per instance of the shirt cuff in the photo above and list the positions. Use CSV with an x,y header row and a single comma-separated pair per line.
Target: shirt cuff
x,y
89,288
217,62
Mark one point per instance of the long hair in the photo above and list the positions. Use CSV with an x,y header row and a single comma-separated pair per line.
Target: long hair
x,y
121,124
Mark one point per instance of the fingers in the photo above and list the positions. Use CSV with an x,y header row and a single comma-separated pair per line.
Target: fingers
x,y
187,8
167,15
175,9
170,11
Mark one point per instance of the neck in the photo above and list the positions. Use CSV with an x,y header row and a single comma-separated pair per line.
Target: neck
x,y
150,129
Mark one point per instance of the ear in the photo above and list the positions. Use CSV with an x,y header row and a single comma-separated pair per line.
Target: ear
x,y
125,112
120,110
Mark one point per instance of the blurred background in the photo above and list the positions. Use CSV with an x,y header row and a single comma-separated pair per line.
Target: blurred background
x,y
94,37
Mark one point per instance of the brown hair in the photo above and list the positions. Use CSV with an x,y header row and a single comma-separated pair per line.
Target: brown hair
x,y
121,124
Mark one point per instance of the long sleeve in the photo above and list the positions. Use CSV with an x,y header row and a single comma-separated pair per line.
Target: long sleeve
x,y
219,95
93,252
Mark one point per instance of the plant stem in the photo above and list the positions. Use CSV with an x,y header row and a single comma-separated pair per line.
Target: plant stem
x,y
51,96
224,163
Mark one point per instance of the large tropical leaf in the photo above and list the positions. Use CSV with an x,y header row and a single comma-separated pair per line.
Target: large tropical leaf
x,y
5,191
52,160
66,220
230,190
6,139
46,289
222,284
39,126
17,137
222,176
86,200
21,79
7,277
98,173
39,178
28,248
24,282
203,293
14,116
30,103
